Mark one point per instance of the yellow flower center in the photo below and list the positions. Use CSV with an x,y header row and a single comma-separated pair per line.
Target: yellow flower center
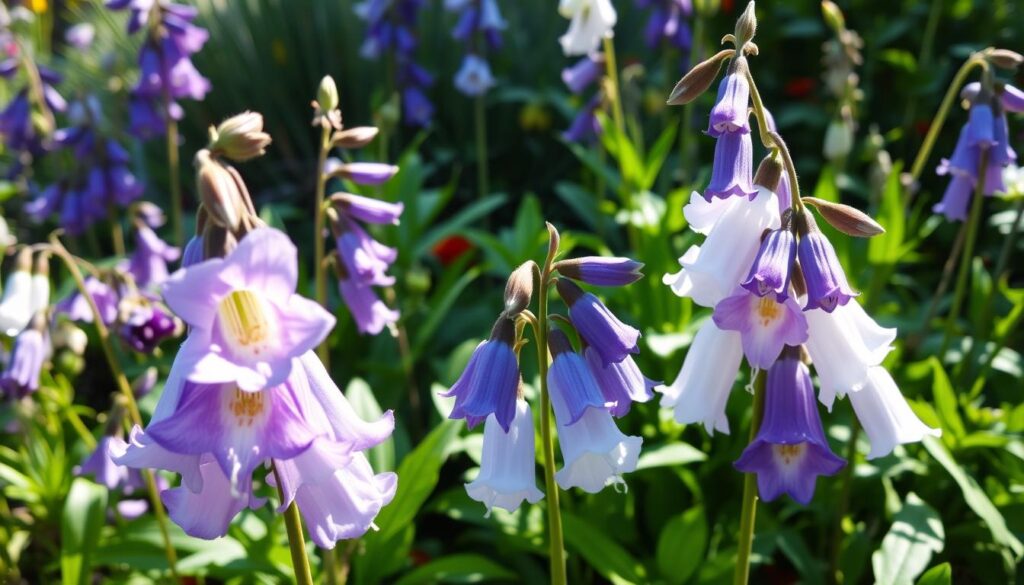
x,y
246,406
790,453
244,320
768,310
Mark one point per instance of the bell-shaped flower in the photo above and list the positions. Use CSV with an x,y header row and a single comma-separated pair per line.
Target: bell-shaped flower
x,y
365,259
595,452
207,512
368,209
711,271
601,270
885,415
981,126
602,330
591,21
827,287
148,263
844,345
507,466
574,390
964,160
247,323
31,349
790,450
16,302
100,465
193,253
957,198
490,382
585,127
368,311
474,77
701,390
770,272
585,72
765,325
621,384
731,111
732,169
76,307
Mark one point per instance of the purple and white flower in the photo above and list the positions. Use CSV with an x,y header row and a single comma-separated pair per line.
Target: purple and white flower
x,y
598,326
490,382
507,466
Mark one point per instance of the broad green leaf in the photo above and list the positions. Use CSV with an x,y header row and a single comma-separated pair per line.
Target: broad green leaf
x,y
916,534
601,552
887,248
937,575
360,396
656,157
670,455
458,568
80,526
975,497
681,545
945,400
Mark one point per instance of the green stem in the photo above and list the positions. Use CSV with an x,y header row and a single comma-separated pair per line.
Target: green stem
x,y
318,236
103,334
175,182
614,95
773,140
555,538
480,123
924,55
296,541
940,290
117,234
844,506
741,574
965,259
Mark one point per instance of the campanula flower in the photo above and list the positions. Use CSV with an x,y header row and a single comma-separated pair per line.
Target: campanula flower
x,y
76,307
590,22
585,127
507,465
790,450
732,168
731,112
595,452
474,77
956,198
364,259
31,349
573,387
490,382
145,324
148,263
370,313
885,415
585,72
17,301
668,22
827,287
765,324
611,338
621,384
770,272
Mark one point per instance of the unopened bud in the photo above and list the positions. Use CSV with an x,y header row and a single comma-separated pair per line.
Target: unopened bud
x,y
769,173
240,138
504,330
1005,58
849,220
698,79
833,15
218,242
327,94
71,337
519,289
746,26
357,137
218,192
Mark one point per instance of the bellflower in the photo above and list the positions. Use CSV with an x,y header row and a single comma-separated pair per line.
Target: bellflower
x,y
712,270
17,127
790,450
31,349
700,393
668,22
621,384
490,382
770,271
507,468
17,301
732,168
595,452
247,323
146,324
885,415
474,76
76,307
101,466
730,113
364,259
980,126
956,198
148,263
601,270
573,387
827,287
585,127
479,27
585,72
613,339
370,313
765,324
590,22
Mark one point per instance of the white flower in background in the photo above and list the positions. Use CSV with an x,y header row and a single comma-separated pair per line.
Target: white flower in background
x,y
1013,177
591,22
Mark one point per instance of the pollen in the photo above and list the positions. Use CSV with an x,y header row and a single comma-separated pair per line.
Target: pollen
x,y
246,406
790,454
768,310
244,318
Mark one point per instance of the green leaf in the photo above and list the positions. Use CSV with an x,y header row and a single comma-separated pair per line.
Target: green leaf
x,y
601,552
670,455
945,400
360,396
887,248
916,534
458,568
681,545
937,575
80,528
975,497
656,157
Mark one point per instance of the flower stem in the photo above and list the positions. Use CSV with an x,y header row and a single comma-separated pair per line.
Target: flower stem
x,y
175,182
844,506
615,94
296,541
117,233
940,290
965,259
480,122
773,140
555,538
741,574
103,334
318,236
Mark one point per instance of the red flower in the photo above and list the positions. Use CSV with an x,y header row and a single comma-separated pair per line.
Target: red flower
x,y
799,87
451,248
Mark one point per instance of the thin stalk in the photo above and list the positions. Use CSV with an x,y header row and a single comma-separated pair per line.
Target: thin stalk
x,y
555,538
296,541
480,124
924,55
965,259
844,505
741,572
117,234
773,141
173,165
614,95
318,236
103,334
940,290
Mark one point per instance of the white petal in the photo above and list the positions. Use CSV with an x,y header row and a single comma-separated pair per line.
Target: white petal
x,y
596,453
885,415
507,468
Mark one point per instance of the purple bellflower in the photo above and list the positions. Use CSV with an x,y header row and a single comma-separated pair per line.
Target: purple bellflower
x,y
601,270
730,113
765,324
479,28
770,273
732,168
507,467
621,384
31,349
586,71
585,127
668,22
790,450
76,307
370,314
490,382
573,387
598,326
827,287
148,263
146,324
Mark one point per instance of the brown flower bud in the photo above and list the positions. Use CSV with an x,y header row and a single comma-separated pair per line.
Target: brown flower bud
x,y
698,79
1005,58
218,192
849,220
519,289
240,138
769,173
357,137
746,25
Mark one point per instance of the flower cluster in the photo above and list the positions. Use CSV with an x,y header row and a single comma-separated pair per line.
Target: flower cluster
x,y
986,130
247,376
26,122
588,387
166,72
391,30
101,181
780,297
668,23
479,29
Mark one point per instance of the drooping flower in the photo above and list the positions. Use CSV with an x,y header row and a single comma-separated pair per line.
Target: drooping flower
x,y
490,382
827,287
621,384
479,28
591,21
573,387
148,263
668,22
247,323
765,324
364,259
770,272
885,415
474,76
585,127
730,113
733,167
76,307
17,300
585,72
31,349
611,338
507,466
370,313
790,450
596,453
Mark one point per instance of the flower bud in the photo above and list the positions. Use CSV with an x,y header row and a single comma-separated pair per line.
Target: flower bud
x,y
698,79
519,289
240,138
849,220
364,173
357,137
1005,58
746,26
769,173
71,337
600,270
833,15
327,94
218,192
